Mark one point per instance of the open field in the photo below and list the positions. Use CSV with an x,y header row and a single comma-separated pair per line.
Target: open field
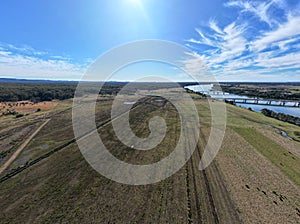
x,y
20,149
254,179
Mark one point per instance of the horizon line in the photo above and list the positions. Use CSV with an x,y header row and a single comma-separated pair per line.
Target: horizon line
x,y
128,81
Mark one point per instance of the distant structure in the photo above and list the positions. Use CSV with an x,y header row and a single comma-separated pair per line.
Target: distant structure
x,y
269,102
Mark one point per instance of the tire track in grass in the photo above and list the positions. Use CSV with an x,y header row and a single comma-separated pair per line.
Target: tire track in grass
x,y
20,149
207,186
197,202
210,197
217,192
188,194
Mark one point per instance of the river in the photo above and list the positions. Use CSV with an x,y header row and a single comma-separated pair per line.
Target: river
x,y
293,111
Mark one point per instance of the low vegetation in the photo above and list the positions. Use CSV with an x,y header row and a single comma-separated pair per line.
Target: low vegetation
x,y
288,163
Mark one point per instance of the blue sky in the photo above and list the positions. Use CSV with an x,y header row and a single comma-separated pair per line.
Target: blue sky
x,y
238,40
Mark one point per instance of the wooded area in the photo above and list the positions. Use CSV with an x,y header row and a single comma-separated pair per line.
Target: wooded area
x,y
281,116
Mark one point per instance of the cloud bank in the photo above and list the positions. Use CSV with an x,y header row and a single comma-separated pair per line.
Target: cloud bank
x,y
261,44
26,62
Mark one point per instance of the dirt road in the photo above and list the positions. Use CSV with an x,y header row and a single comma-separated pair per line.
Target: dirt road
x,y
20,149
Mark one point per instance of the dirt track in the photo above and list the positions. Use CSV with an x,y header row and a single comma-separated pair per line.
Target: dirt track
x,y
208,198
20,149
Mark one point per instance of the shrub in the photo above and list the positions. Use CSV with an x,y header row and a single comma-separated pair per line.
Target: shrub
x,y
19,115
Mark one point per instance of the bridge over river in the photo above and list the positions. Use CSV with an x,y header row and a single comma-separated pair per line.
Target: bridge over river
x,y
268,102
220,95
244,100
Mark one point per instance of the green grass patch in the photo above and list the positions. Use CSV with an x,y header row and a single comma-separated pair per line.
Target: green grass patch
x,y
279,156
241,117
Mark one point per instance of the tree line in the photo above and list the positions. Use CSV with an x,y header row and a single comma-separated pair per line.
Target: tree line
x,y
38,91
281,117
35,92
266,93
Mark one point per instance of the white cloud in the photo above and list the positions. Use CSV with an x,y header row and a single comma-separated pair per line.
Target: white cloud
x,y
4,53
194,64
285,31
192,40
259,9
235,54
213,25
290,60
284,44
19,65
233,43
230,42
24,49
205,40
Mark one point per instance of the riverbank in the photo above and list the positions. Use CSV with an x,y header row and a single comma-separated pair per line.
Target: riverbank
x,y
292,111
281,117
283,91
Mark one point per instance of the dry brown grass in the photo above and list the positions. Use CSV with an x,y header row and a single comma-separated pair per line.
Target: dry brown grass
x,y
27,107
292,146
244,167
65,189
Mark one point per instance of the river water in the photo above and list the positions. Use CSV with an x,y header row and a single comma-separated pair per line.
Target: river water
x,y
293,111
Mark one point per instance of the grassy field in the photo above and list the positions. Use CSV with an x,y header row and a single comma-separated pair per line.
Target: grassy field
x,y
254,179
288,163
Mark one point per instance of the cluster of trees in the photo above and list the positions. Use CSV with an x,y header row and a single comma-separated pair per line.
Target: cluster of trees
x,y
38,91
198,93
35,92
281,116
